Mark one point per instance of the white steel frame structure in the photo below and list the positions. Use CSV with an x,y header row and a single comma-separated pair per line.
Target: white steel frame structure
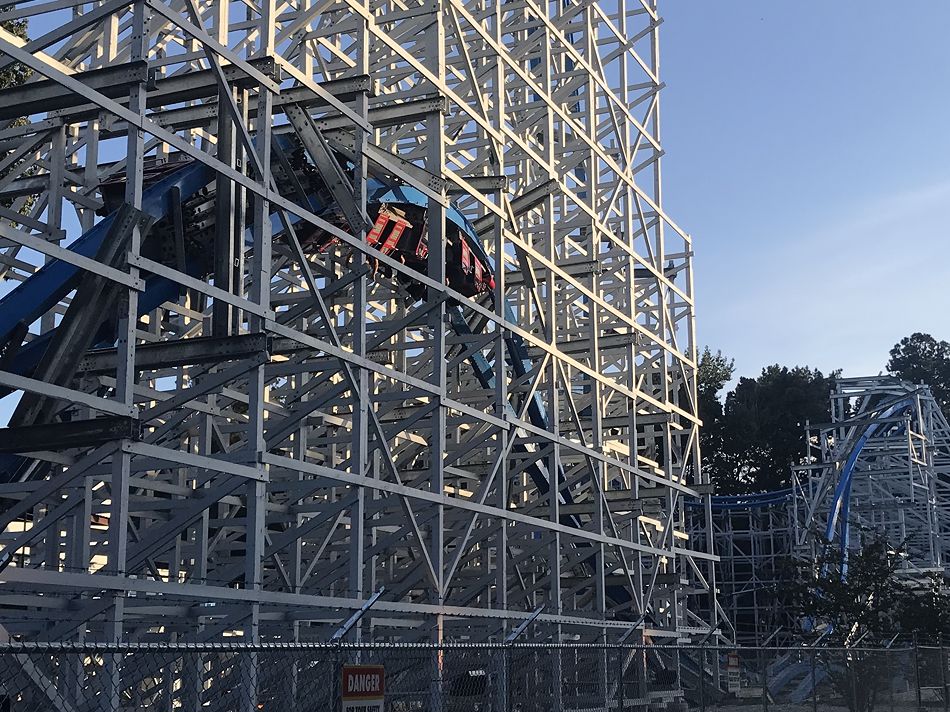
x,y
754,541
899,486
895,441
282,438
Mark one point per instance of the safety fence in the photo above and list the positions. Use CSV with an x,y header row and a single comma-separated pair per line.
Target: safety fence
x,y
213,677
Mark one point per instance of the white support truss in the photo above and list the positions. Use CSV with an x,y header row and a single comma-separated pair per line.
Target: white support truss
x,y
240,417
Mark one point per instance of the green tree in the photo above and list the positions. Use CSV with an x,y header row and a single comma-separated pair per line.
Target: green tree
x,y
863,604
14,75
867,607
714,372
920,358
750,440
765,419
923,611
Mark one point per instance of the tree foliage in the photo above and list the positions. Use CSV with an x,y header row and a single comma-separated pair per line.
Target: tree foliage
x,y
873,602
752,435
868,607
13,75
920,358
864,604
750,439
714,372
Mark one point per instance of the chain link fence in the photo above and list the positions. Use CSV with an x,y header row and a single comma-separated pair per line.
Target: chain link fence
x,y
470,678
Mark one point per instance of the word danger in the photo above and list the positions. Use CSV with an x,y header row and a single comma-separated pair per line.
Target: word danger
x,y
364,683
362,687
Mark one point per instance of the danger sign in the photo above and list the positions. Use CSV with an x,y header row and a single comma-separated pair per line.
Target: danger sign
x,y
733,682
363,688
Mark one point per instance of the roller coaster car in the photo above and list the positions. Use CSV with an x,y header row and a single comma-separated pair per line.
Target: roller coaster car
x,y
401,231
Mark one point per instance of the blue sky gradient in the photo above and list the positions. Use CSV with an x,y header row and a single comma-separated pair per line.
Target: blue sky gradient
x,y
808,153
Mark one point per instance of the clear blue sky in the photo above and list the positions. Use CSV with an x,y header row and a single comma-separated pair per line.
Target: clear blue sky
x,y
808,154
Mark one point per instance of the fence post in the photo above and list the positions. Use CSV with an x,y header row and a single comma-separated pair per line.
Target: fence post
x,y
507,678
435,682
893,686
249,679
854,679
943,675
678,682
763,661
337,673
500,678
621,691
814,681
192,671
702,678
917,672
